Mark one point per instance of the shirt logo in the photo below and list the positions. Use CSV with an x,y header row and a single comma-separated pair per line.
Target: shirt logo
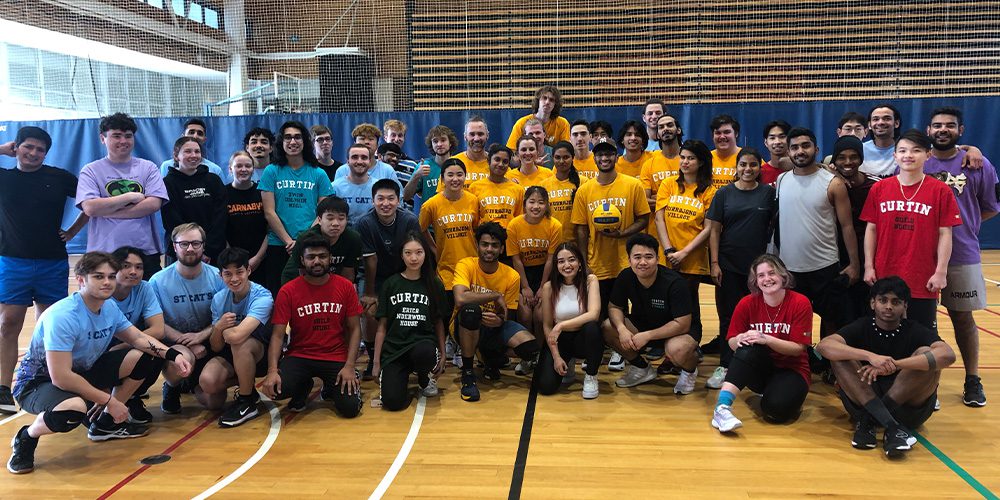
x,y
956,182
122,186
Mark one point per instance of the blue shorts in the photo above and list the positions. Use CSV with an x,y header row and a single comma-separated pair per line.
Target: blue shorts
x,y
23,281
505,332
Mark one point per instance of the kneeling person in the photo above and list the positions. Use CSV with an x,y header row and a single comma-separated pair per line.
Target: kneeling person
x,y
888,369
241,327
68,369
650,302
486,295
322,312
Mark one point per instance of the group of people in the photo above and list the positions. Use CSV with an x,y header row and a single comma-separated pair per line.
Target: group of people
x,y
550,249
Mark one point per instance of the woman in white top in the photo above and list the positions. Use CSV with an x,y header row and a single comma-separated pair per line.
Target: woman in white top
x,y
571,305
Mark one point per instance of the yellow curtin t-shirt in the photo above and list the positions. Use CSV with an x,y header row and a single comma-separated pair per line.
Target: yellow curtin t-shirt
x,y
607,255
657,169
561,203
454,224
587,168
633,168
505,281
533,242
498,202
555,131
474,170
684,214
723,170
534,179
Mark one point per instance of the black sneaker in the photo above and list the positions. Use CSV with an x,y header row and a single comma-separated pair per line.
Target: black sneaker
x,y
897,440
299,404
22,458
667,367
367,374
470,392
171,403
137,412
326,393
7,404
864,434
711,347
655,353
241,410
491,373
973,395
124,430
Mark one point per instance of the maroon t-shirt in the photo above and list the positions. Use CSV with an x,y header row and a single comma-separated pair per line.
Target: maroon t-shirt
x,y
791,321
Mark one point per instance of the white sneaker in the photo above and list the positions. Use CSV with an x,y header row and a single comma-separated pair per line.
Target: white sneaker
x,y
525,366
457,359
685,382
590,389
449,348
570,376
616,363
717,378
431,389
724,420
937,404
635,376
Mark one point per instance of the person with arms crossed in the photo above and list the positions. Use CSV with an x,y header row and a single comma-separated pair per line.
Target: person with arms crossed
x,y
68,372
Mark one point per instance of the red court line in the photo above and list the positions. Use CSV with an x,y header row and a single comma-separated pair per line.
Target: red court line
x,y
995,334
991,311
167,451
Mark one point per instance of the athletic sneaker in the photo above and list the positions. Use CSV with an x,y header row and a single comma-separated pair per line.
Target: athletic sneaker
x,y
897,440
717,378
171,403
491,373
137,412
457,359
470,392
590,387
937,403
326,393
526,366
973,395
570,376
7,404
616,363
685,382
367,374
430,389
668,367
22,458
449,348
654,353
240,411
124,430
864,434
635,376
712,346
297,405
724,420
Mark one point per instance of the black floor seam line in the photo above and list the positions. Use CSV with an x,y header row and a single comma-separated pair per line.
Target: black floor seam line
x,y
522,446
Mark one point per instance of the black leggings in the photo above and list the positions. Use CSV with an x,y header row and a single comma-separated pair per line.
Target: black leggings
x,y
274,263
734,288
784,390
297,380
587,344
421,358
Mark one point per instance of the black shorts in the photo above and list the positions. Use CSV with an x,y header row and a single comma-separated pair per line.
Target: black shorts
x,y
910,416
42,395
534,275
227,354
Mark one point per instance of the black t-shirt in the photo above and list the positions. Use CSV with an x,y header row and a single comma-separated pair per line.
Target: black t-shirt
x,y
344,253
246,227
653,307
746,220
386,242
331,170
862,334
31,212
858,195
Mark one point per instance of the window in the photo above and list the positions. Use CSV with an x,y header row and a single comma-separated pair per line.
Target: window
x,y
178,7
211,18
195,13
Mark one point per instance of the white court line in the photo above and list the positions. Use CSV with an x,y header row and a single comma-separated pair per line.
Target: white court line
x,y
418,418
14,416
272,436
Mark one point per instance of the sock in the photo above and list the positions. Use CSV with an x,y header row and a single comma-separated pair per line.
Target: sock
x,y
639,362
880,411
725,398
467,363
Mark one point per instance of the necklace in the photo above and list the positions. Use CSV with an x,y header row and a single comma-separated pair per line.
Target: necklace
x,y
915,192
887,334
776,314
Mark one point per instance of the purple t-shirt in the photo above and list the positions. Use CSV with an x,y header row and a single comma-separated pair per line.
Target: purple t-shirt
x,y
975,191
103,179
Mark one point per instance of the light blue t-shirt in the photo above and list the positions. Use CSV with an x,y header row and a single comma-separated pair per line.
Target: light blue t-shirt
x,y
357,196
381,170
257,305
140,304
223,173
296,194
879,162
187,304
68,326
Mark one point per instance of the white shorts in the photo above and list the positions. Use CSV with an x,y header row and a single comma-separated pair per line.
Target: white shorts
x,y
966,290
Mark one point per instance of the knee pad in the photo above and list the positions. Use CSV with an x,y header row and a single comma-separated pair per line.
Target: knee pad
x,y
144,366
527,350
63,420
470,317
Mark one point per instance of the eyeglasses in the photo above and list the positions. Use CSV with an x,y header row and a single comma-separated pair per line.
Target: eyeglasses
x,y
291,137
193,244
323,139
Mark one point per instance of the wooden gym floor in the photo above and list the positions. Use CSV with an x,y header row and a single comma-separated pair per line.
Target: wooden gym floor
x,y
643,442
